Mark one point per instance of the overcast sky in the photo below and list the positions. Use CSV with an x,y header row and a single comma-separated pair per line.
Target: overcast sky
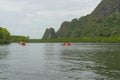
x,y
32,17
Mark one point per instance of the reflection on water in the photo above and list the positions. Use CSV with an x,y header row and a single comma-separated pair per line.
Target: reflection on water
x,y
3,66
101,61
52,61
3,52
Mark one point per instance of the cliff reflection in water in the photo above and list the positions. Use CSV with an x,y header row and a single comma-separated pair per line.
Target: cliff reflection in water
x,y
102,61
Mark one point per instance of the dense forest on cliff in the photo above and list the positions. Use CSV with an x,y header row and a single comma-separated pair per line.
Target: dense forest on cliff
x,y
104,21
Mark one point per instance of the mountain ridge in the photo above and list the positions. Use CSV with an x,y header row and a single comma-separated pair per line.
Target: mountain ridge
x,y
96,24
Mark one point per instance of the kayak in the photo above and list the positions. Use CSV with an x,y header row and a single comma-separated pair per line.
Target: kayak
x,y
66,44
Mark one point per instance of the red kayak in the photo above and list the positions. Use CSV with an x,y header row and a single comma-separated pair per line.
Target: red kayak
x,y
66,44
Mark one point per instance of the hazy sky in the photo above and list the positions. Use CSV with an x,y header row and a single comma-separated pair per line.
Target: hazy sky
x,y
32,17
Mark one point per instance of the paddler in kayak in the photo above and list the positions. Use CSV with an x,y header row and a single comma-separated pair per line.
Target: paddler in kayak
x,y
22,43
66,44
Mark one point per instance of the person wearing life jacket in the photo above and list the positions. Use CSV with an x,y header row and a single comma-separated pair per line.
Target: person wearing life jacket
x,y
64,43
68,43
22,43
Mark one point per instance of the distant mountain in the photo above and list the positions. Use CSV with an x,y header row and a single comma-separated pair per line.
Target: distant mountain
x,y
104,21
49,33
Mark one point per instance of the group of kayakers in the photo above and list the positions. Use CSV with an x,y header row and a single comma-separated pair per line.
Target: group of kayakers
x,y
64,44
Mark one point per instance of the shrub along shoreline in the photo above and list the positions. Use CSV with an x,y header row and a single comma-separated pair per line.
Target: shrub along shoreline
x,y
85,39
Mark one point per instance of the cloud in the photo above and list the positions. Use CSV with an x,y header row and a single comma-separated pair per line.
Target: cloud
x,y
9,6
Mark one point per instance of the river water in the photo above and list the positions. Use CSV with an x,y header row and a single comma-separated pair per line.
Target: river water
x,y
52,61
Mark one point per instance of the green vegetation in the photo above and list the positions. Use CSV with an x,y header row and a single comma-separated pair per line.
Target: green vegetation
x,y
4,35
35,40
19,38
85,39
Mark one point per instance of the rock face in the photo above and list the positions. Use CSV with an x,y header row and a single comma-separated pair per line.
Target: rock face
x,y
104,21
107,7
49,33
63,32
